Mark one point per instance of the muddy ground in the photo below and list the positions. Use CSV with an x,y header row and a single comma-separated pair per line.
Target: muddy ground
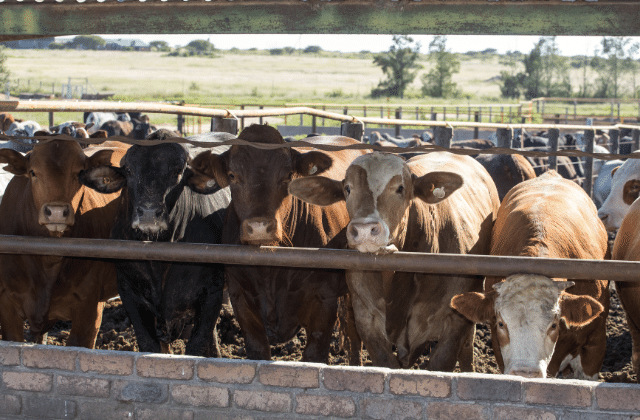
x,y
117,333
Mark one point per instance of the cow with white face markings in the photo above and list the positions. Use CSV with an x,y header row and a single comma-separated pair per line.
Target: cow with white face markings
x,y
437,202
542,326
625,188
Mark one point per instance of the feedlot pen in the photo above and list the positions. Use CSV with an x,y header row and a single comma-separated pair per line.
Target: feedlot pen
x,y
55,382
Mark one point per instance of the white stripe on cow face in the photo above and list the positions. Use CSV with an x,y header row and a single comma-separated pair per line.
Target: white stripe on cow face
x,y
369,229
527,323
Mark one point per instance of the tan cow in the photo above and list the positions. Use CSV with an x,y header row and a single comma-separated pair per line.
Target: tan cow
x,y
627,247
540,326
438,202
46,199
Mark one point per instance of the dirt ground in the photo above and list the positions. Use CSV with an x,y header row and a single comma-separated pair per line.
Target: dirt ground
x,y
117,333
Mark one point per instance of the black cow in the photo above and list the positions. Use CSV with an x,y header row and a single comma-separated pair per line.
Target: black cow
x,y
157,204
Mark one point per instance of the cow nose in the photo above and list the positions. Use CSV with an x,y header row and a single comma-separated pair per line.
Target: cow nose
x,y
259,229
365,231
527,372
149,218
56,213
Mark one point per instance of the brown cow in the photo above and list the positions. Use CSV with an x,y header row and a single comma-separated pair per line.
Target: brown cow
x,y
272,303
627,247
439,202
45,199
540,326
506,170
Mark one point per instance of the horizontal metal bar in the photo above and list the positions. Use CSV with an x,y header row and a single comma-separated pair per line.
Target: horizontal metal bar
x,y
338,17
322,258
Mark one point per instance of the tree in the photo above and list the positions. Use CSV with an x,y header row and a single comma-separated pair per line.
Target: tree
x,y
201,47
618,52
87,42
438,82
397,64
4,72
160,45
312,49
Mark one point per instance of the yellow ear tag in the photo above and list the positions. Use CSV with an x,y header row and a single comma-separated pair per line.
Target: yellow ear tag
x,y
438,192
211,183
313,170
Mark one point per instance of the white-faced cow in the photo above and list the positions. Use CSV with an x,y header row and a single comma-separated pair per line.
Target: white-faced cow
x,y
164,299
625,187
542,326
273,303
437,202
45,199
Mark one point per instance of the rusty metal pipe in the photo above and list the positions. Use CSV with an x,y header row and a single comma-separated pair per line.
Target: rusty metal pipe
x,y
322,258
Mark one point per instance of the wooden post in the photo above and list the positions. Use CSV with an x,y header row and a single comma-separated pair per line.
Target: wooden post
x,y
180,123
313,124
554,133
589,137
398,117
476,130
224,125
51,124
443,136
614,144
635,135
355,130
504,138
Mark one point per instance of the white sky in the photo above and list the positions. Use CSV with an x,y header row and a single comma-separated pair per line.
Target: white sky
x,y
569,45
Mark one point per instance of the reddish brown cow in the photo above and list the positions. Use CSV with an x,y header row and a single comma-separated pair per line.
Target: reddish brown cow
x,y
537,327
272,303
438,202
627,247
45,199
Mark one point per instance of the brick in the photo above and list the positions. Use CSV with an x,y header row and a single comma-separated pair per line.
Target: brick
x,y
82,386
391,409
445,410
106,362
105,410
290,375
200,396
567,393
510,413
420,383
618,397
49,357
162,414
27,381
53,408
9,356
353,379
140,391
227,371
480,387
220,415
10,404
263,401
165,367
590,415
325,405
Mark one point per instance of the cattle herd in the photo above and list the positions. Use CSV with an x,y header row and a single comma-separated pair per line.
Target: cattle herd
x,y
371,202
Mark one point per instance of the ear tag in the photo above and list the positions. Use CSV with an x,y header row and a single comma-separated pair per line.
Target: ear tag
x,y
439,192
211,183
313,170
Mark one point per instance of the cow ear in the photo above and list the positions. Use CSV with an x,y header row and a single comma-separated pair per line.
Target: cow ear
x,y
17,163
434,187
476,307
614,170
317,190
202,184
578,311
105,179
310,163
101,158
211,167
100,134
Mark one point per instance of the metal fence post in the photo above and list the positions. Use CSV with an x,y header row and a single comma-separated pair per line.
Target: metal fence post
x,y
51,124
260,120
443,136
614,144
476,130
554,133
355,130
398,117
504,138
224,125
589,137
635,135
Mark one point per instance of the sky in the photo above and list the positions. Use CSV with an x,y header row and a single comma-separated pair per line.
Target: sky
x,y
569,45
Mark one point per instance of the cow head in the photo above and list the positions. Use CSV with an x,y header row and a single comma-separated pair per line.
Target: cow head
x,y
258,179
625,188
378,189
52,169
526,314
151,174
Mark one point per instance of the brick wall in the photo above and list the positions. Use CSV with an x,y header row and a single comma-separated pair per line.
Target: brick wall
x,y
63,382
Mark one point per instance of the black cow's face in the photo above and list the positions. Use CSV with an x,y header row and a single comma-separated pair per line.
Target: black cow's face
x,y
150,173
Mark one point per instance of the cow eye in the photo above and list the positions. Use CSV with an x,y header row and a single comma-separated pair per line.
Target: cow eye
x,y
500,324
31,173
400,190
231,176
554,326
347,189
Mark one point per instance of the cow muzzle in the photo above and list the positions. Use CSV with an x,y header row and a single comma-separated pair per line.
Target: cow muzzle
x,y
150,219
57,217
527,371
368,235
259,231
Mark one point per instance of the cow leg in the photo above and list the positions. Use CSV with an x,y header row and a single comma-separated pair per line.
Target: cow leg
x,y
142,319
85,324
204,335
321,315
350,340
256,342
11,324
456,344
